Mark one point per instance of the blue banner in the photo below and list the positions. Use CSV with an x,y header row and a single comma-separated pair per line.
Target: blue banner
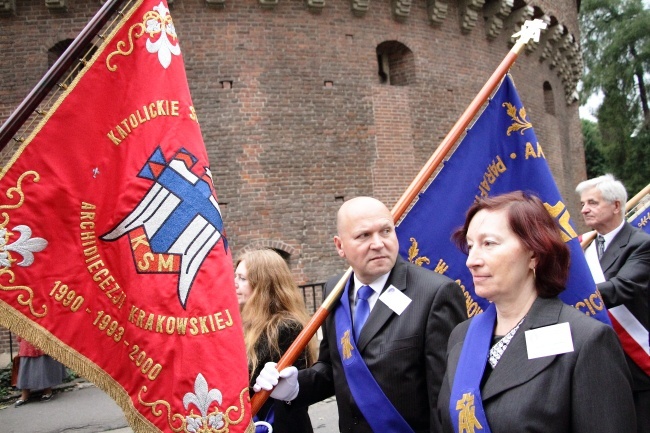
x,y
499,154
641,217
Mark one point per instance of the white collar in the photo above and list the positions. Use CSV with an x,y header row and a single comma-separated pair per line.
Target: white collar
x,y
609,237
377,285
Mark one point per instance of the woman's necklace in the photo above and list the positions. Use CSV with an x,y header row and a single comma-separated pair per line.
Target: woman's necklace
x,y
500,346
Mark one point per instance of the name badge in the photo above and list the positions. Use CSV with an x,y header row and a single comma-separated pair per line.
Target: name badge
x,y
395,299
549,340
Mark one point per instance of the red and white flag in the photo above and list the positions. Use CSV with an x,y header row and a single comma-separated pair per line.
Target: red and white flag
x,y
113,254
631,332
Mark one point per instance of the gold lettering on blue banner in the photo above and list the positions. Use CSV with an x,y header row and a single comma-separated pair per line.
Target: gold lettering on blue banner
x,y
591,305
441,267
644,220
492,173
473,308
532,152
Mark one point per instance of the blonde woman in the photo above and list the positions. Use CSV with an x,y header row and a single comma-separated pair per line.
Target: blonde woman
x,y
273,313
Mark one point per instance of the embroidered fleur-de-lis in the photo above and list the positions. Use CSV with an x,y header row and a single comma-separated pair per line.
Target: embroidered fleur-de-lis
x,y
26,246
160,23
519,119
201,397
413,254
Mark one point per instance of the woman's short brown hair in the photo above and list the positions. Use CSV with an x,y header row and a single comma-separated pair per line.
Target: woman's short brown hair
x,y
536,229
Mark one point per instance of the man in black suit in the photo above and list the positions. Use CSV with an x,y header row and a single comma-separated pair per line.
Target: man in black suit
x,y
624,256
387,377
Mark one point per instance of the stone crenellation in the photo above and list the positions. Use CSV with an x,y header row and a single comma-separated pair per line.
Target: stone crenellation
x,y
560,46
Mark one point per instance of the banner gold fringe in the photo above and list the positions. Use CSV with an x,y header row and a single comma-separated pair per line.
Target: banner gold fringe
x,y
44,340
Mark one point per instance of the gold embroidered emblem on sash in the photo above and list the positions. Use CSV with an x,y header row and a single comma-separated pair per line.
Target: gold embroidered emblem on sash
x,y
467,421
346,345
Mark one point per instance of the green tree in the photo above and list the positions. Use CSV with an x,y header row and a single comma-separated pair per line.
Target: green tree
x,y
637,166
594,158
616,53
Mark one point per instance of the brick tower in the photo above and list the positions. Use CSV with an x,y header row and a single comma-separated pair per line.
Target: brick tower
x,y
306,103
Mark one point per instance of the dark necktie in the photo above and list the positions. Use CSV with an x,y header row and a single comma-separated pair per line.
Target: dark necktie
x,y
600,243
362,309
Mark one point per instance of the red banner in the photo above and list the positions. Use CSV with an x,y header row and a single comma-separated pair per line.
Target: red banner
x,y
113,253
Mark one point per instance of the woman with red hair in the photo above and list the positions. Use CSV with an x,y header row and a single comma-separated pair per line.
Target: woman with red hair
x,y
529,362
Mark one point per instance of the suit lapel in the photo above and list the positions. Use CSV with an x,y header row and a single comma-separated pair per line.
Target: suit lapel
x,y
612,252
380,313
514,367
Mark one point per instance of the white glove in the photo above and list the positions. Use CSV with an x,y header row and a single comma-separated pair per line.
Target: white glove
x,y
285,382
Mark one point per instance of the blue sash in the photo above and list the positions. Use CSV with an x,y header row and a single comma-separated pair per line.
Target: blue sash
x,y
378,411
465,403
265,425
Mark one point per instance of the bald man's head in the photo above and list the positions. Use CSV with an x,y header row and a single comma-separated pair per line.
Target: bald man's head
x,y
366,237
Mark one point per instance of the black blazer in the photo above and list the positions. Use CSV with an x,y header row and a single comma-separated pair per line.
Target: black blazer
x,y
626,266
405,353
288,419
584,391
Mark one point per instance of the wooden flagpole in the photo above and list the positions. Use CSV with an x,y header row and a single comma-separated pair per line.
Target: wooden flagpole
x,y
637,198
56,72
530,30
589,237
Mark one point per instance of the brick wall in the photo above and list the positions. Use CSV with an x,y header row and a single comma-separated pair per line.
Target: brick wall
x,y
295,115
8,347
